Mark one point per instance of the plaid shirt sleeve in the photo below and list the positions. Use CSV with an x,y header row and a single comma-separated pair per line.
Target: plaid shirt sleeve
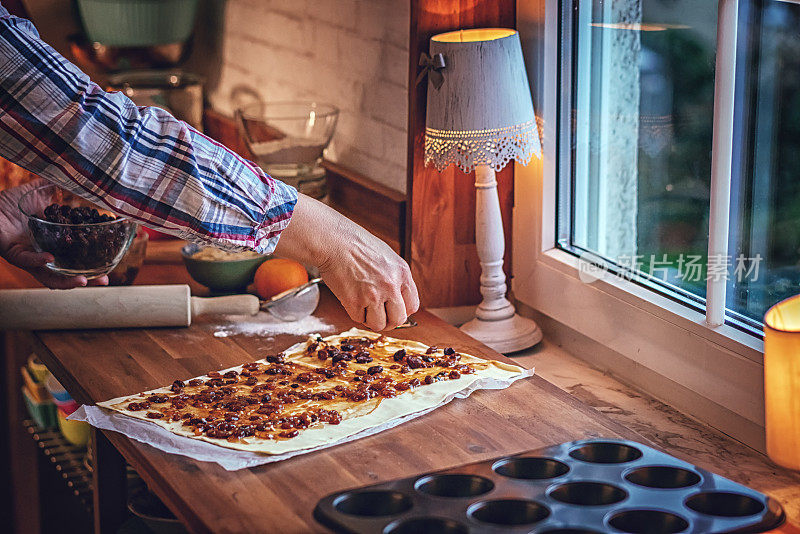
x,y
139,162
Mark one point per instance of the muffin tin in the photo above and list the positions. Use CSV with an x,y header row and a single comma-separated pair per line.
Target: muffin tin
x,y
589,486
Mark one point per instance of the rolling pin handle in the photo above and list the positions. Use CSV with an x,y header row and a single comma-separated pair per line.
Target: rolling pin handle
x,y
230,305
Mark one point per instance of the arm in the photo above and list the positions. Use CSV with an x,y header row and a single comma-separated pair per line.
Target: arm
x,y
143,163
138,162
372,282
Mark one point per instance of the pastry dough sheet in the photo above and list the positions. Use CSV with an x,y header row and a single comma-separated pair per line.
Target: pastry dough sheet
x,y
356,421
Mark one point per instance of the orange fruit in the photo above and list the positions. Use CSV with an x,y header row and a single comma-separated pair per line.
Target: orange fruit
x,y
278,275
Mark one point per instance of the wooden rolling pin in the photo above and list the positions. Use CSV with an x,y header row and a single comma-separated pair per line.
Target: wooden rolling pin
x,y
113,307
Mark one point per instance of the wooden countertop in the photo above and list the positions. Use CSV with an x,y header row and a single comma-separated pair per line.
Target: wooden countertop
x,y
99,365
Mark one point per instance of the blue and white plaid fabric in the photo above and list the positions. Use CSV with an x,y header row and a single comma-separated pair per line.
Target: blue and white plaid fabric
x,y
139,162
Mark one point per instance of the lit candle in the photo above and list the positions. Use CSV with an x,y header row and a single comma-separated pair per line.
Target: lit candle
x,y
782,382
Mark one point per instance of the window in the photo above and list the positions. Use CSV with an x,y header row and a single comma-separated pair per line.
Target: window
x,y
639,135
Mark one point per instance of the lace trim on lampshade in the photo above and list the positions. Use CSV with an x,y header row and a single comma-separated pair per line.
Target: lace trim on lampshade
x,y
494,146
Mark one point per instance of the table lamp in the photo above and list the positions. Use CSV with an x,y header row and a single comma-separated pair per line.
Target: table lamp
x,y
782,382
480,117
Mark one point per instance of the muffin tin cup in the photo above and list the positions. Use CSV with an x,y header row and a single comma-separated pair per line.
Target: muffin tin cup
x,y
579,487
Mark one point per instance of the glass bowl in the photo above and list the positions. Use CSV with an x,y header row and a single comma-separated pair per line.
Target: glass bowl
x,y
287,140
126,270
88,249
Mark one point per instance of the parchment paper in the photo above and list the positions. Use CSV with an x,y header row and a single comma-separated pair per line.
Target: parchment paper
x,y
233,460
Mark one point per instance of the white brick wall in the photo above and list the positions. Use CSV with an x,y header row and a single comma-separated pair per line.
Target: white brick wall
x,y
350,53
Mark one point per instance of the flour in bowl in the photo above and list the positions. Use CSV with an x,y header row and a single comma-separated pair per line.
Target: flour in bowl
x,y
265,325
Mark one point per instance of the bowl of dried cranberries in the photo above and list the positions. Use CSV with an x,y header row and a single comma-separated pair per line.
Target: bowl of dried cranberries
x,y
83,239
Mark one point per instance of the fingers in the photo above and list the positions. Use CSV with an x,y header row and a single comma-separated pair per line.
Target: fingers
x,y
375,318
395,312
99,281
57,281
410,297
26,258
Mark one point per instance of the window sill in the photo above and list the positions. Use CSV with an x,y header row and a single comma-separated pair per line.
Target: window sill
x,y
714,374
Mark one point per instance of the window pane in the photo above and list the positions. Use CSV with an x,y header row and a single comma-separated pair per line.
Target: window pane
x,y
765,220
643,74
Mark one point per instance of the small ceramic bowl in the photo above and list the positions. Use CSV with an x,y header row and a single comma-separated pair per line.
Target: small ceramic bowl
x,y
221,276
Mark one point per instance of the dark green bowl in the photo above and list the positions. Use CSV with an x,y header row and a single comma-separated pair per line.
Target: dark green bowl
x,y
232,276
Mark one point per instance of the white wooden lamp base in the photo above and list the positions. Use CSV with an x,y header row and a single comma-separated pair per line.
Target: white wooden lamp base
x,y
496,323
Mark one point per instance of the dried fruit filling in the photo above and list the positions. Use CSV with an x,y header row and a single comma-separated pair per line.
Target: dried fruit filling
x,y
79,247
278,399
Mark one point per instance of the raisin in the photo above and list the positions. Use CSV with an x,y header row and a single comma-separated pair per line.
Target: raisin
x,y
266,397
346,347
177,386
341,357
289,434
454,375
330,416
251,381
214,374
277,358
154,415
157,399
375,369
449,351
431,350
138,406
195,382
312,347
363,359
360,372
268,409
428,380
402,386
245,431
235,406
231,374
322,354
304,377
414,363
399,355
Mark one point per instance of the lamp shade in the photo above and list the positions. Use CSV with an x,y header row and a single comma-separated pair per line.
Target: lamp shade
x,y
481,113
782,382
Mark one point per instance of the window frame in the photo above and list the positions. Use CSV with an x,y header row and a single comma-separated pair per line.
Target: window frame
x,y
714,369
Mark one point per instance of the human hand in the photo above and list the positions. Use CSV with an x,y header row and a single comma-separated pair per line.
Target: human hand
x,y
17,249
371,281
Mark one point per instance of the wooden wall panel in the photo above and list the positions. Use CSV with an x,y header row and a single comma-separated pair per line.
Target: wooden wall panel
x,y
440,245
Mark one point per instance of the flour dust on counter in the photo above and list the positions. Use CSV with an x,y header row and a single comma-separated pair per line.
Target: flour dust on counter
x,y
265,325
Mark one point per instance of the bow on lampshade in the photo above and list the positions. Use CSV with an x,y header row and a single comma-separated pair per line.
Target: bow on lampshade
x,y
431,66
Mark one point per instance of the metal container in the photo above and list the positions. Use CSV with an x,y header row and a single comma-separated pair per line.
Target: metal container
x,y
179,92
578,487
